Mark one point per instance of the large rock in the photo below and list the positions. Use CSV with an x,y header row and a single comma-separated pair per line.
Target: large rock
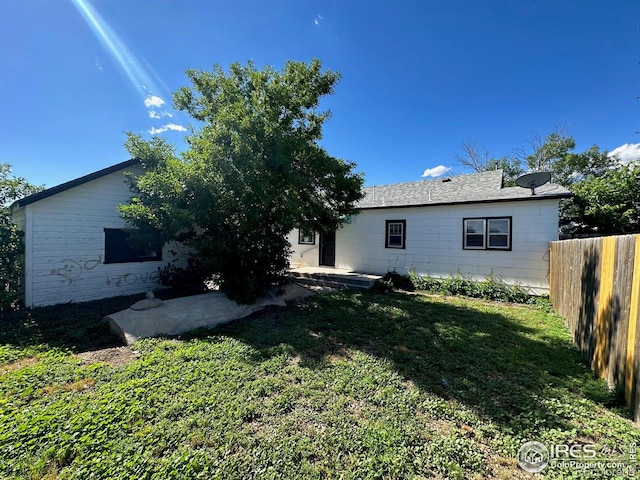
x,y
180,315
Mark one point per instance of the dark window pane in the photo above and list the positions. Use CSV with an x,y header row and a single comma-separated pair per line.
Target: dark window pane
x,y
499,241
475,241
395,240
117,248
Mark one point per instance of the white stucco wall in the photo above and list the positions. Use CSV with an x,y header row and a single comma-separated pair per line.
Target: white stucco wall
x,y
434,242
64,255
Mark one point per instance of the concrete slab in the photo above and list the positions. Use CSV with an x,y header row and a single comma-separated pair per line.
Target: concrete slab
x,y
330,276
339,272
180,315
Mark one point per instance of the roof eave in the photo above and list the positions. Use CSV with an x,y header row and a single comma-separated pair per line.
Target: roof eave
x,y
73,183
558,196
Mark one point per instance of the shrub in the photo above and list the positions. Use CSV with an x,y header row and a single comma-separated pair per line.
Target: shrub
x,y
187,280
398,282
383,285
425,282
459,285
489,288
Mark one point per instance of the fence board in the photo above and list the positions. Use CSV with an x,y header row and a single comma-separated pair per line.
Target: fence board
x,y
595,285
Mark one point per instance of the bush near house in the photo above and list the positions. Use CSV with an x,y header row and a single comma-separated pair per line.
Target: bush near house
x,y
393,281
490,288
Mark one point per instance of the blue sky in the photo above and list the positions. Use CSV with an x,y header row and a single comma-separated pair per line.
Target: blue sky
x,y
418,77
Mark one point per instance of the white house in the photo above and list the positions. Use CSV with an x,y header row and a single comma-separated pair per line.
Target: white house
x,y
467,224
76,249
75,246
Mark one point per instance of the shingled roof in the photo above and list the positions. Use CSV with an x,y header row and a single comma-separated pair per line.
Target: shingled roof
x,y
480,187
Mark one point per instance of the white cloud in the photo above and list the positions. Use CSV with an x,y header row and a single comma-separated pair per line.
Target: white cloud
x,y
164,113
168,126
627,152
317,20
436,171
153,101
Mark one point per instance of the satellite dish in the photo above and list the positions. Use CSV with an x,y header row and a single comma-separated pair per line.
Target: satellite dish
x,y
533,180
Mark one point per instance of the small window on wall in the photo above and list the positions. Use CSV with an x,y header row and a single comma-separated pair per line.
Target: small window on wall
x,y
491,233
118,250
306,238
395,234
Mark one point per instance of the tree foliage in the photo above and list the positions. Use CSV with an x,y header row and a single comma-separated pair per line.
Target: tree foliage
x,y
545,153
606,196
11,239
477,158
254,170
604,203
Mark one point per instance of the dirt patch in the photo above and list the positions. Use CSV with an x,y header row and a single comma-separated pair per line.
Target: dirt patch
x,y
25,362
114,356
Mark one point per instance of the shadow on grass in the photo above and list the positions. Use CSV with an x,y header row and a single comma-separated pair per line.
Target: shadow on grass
x,y
500,367
77,327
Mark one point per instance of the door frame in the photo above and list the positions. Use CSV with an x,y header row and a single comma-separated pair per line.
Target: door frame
x,y
321,250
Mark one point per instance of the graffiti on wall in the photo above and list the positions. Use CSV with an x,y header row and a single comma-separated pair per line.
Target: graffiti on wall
x,y
132,278
71,269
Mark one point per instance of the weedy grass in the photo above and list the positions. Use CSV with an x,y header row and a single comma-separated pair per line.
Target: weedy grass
x,y
347,385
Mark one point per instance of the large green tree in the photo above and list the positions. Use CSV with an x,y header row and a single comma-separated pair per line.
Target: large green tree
x,y
254,170
11,239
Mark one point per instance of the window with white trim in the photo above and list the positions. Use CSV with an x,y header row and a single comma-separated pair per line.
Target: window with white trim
x,y
395,233
489,233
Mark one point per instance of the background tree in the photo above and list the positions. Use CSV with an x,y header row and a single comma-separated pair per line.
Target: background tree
x,y
474,157
606,196
604,203
542,154
478,159
254,171
11,239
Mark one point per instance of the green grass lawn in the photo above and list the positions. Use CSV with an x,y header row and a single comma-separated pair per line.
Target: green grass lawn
x,y
347,385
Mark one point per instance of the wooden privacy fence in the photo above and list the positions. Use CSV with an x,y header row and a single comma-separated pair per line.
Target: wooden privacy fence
x,y
594,284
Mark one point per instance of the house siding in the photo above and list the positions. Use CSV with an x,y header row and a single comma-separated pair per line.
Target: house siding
x,y
64,256
303,255
18,216
434,242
